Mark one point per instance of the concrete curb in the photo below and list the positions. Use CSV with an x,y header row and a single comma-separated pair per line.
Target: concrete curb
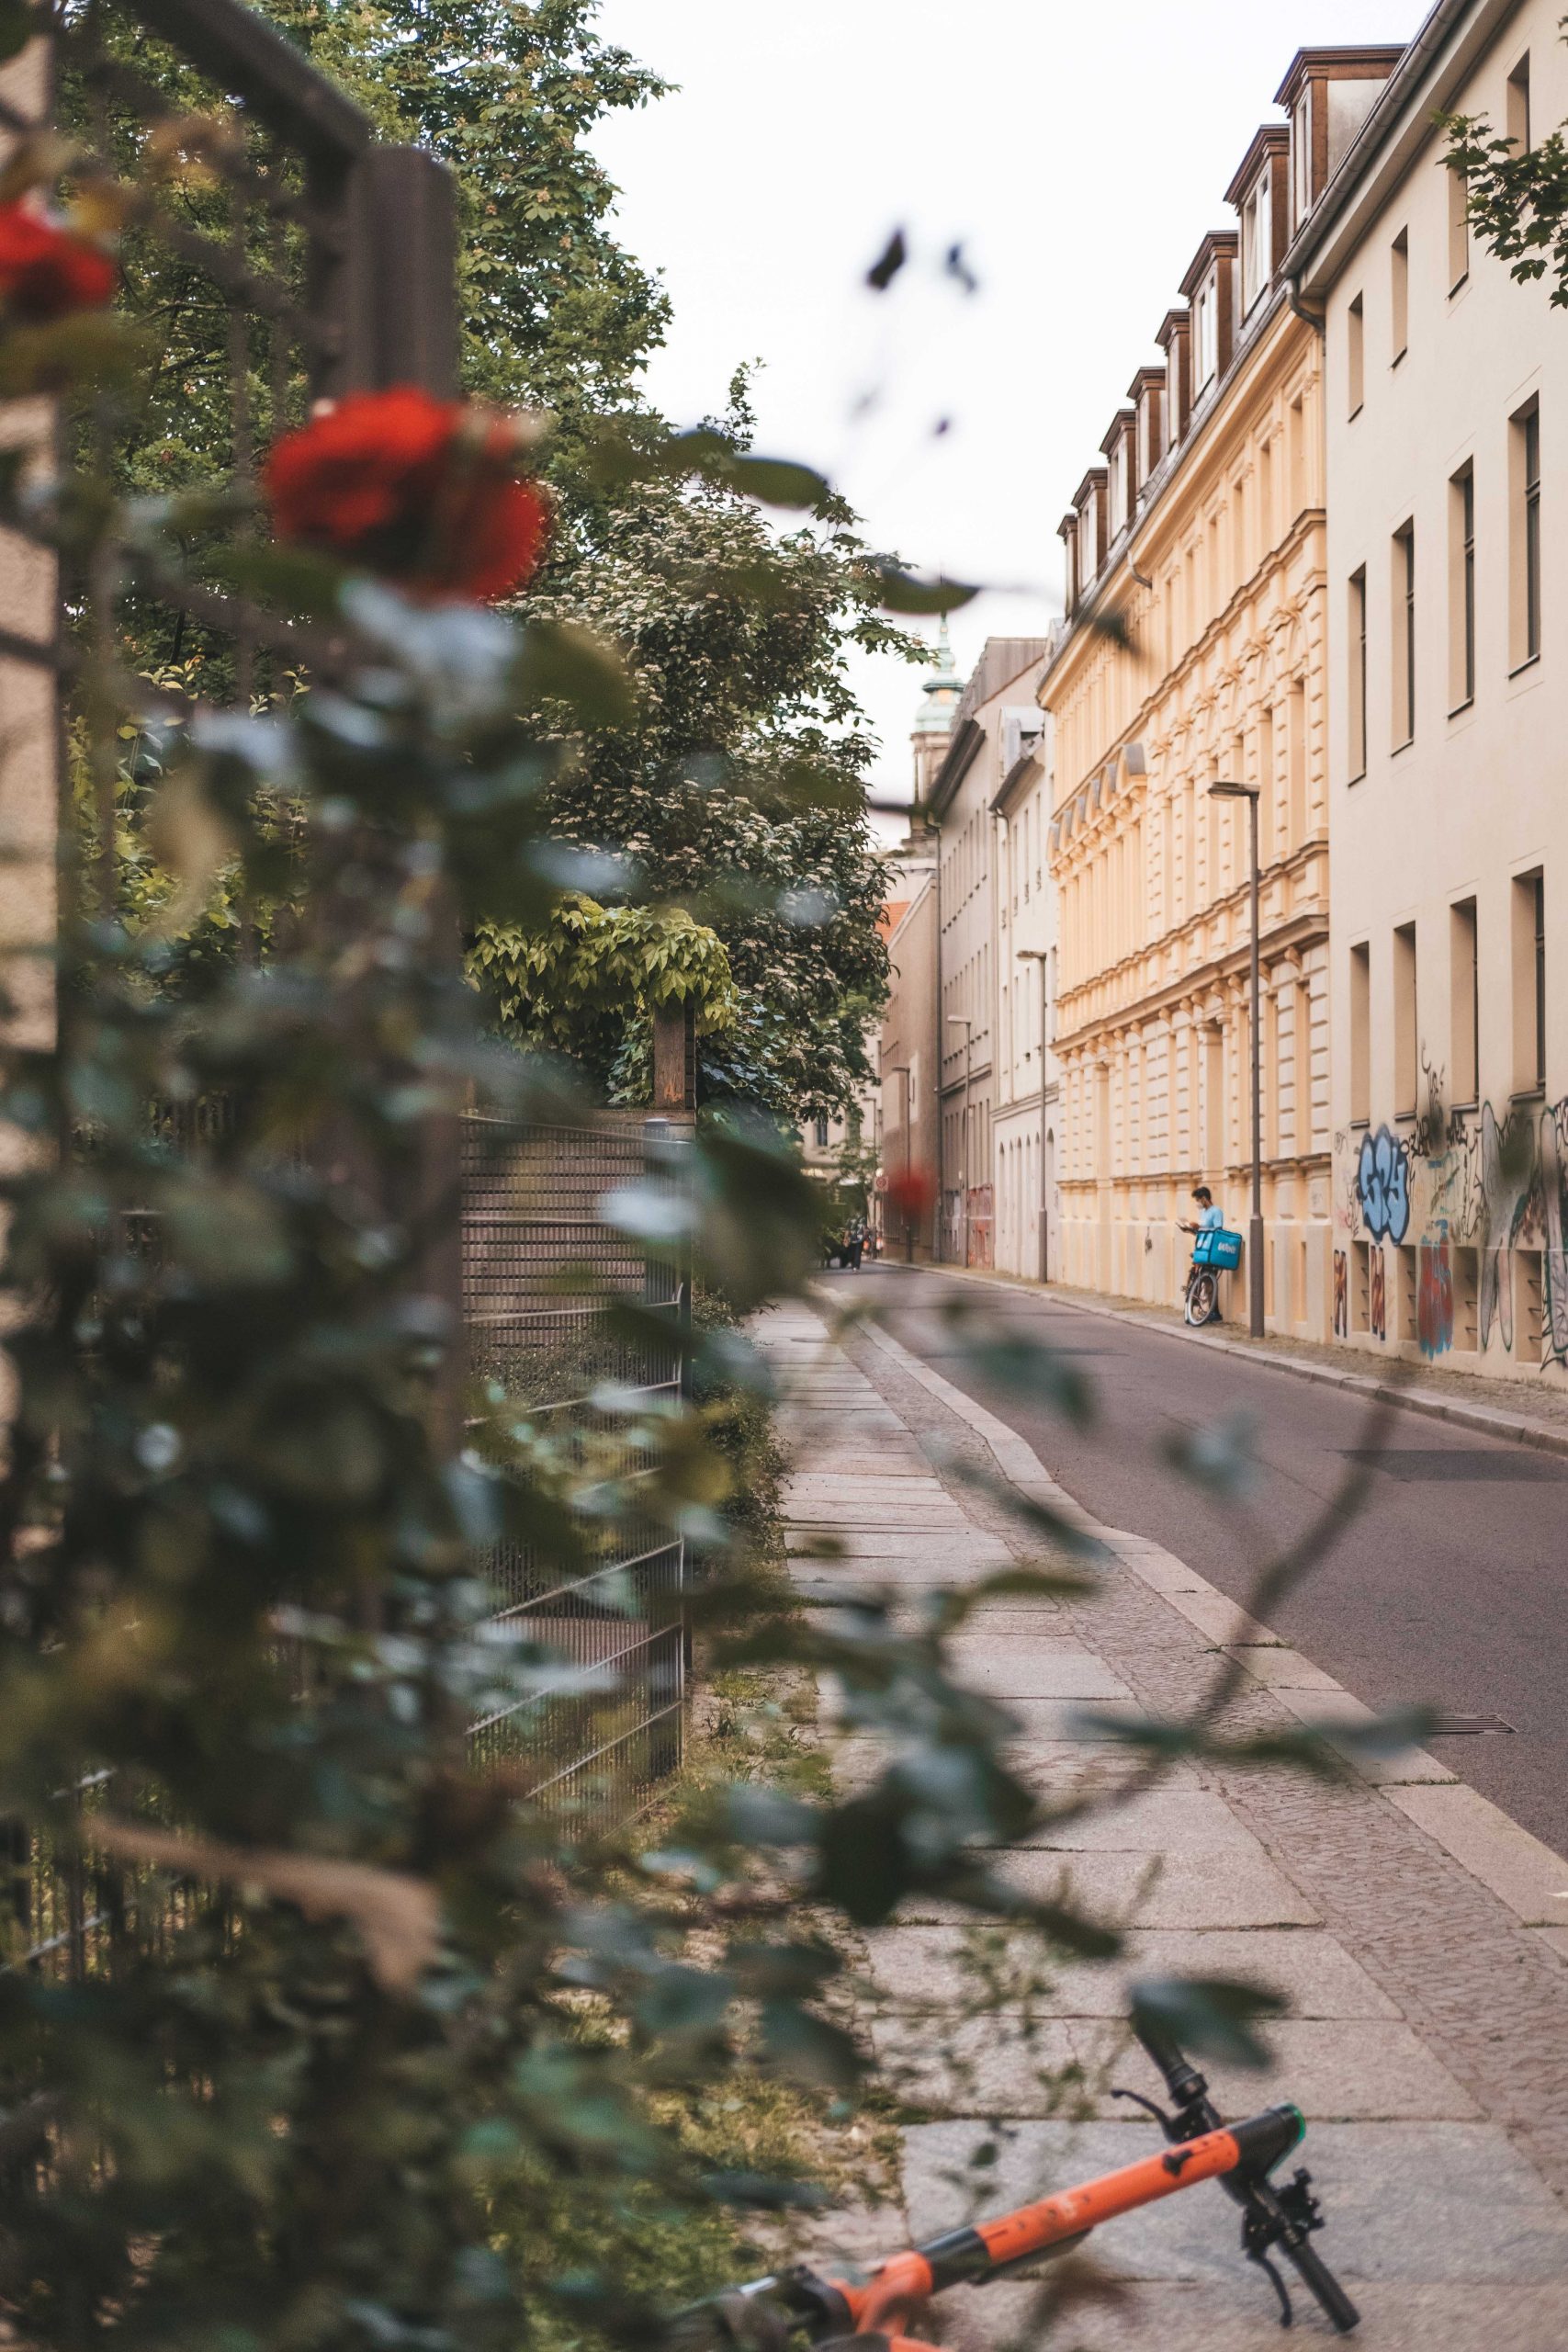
x,y
1524,1874
1540,1436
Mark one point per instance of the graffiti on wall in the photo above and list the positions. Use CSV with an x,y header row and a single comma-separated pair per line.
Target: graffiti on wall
x,y
1377,1301
1383,1185
1465,1181
1341,1295
1435,1300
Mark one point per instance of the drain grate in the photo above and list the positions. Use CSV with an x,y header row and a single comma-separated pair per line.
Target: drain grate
x,y
1468,1726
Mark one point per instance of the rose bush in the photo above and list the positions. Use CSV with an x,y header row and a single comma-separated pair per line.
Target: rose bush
x,y
423,491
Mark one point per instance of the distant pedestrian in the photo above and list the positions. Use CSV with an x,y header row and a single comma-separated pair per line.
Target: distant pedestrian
x,y
854,1245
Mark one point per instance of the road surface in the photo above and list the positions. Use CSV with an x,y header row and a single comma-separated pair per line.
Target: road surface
x,y
1450,1589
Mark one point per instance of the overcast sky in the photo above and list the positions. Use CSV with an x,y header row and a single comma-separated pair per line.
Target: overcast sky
x,y
1077,153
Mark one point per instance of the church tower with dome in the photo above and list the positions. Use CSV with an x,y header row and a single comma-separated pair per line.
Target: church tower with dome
x,y
932,730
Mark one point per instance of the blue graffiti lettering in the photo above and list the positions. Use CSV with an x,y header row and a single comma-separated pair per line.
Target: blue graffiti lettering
x,y
1383,1185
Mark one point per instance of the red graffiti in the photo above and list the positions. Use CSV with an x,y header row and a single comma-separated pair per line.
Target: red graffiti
x,y
1434,1301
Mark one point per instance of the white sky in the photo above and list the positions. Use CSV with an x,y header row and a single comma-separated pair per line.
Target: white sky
x,y
1079,153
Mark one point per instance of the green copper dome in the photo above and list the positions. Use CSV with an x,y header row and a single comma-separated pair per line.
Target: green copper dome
x,y
944,688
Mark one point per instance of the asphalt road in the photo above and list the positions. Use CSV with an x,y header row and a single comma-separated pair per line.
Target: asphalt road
x,y
1448,1590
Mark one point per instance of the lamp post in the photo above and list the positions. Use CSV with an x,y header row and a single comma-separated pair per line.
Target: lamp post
x,y
956,1021
1041,956
1250,793
893,1070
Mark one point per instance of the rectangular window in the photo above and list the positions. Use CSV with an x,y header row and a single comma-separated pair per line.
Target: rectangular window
x,y
1529,982
1301,158
1268,799
1355,358
1360,1046
1206,332
1399,296
1357,680
1464,1003
1458,230
1406,1073
1524,554
1403,613
1517,107
1258,240
1462,588
1296,752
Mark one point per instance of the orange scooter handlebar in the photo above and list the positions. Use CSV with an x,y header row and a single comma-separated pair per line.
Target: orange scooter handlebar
x,y
885,2301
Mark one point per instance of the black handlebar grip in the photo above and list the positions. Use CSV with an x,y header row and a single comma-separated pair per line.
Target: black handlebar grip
x,y
1320,2279
1182,2077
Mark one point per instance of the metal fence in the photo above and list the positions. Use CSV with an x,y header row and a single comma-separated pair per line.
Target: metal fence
x,y
301,256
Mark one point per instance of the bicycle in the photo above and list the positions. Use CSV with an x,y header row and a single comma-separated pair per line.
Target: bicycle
x,y
868,2313
1214,1252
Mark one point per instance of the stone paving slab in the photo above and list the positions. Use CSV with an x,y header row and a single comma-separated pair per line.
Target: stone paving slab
x,y
1310,1969
1037,1666
1217,1888
1341,2072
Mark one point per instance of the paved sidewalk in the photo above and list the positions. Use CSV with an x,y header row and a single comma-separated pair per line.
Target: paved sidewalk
x,y
1417,1933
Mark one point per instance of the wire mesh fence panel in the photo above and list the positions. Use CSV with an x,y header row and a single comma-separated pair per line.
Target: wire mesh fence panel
x,y
538,1264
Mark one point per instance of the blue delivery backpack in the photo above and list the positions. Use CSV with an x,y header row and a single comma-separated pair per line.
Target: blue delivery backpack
x,y
1217,1249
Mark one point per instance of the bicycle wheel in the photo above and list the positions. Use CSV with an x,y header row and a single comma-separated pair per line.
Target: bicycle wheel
x,y
1203,1297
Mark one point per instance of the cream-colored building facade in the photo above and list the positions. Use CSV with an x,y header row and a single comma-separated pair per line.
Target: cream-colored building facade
x,y
998,714
1027,1200
1446,404
1196,651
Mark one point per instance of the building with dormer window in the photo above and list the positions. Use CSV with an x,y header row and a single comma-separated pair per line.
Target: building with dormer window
x,y
1194,652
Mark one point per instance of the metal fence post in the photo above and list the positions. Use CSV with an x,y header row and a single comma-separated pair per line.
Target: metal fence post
x,y
397,306
399,280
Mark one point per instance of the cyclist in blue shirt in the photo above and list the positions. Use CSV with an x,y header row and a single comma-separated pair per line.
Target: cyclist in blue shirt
x,y
1209,1220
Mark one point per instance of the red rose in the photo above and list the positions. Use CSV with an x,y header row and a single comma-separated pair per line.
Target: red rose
x,y
911,1193
423,491
46,270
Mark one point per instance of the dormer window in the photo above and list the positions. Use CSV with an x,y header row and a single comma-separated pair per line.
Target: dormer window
x,y
1206,332
1256,240
1087,542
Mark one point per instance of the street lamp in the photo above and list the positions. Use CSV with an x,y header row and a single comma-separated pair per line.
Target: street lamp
x,y
954,1021
893,1069
1251,795
1041,956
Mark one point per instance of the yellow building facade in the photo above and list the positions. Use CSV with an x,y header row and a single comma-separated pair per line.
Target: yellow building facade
x,y
1195,651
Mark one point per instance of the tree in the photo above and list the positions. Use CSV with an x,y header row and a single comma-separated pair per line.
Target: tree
x,y
736,786
584,984
1516,198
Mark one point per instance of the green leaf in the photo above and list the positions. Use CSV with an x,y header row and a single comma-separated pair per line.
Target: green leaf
x,y
778,482
1222,1459
1211,2015
901,592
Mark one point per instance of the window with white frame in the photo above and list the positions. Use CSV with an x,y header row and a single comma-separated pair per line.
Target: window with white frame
x,y
1301,158
1258,240
1206,332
